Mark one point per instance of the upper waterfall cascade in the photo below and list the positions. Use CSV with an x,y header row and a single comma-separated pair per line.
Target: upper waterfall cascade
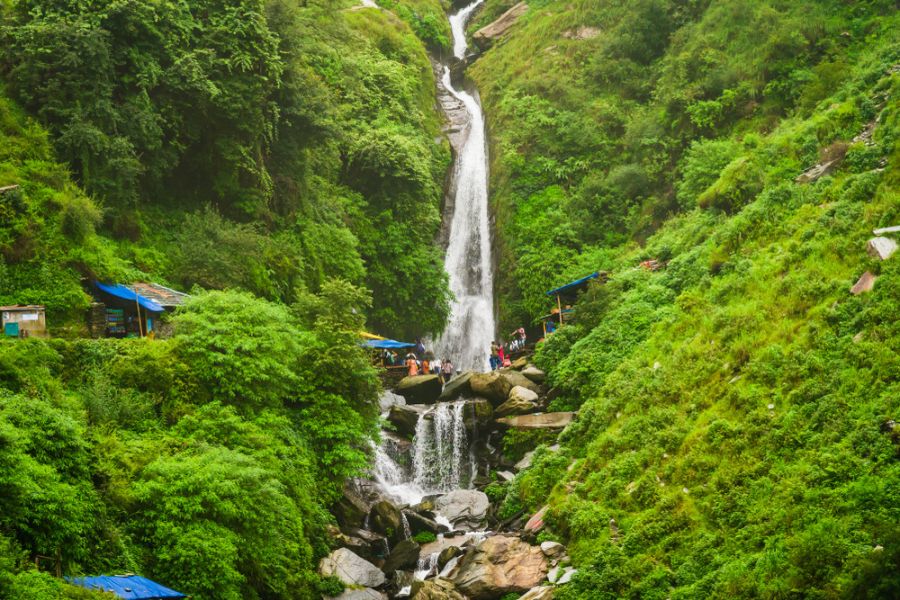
x,y
468,262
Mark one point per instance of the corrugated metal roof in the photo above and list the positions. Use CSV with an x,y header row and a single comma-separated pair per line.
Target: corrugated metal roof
x,y
129,587
159,293
120,291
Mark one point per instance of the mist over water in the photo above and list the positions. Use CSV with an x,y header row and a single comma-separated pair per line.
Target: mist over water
x,y
471,327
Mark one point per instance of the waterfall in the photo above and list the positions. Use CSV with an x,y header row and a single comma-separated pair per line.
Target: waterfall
x,y
471,327
442,458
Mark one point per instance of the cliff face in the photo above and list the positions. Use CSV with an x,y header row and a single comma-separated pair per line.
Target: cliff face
x,y
736,402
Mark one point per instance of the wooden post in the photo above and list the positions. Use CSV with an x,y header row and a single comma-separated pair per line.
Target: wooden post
x,y
137,304
559,305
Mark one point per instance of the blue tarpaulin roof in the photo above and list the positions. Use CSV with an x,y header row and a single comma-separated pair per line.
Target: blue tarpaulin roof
x,y
130,587
386,344
573,285
120,291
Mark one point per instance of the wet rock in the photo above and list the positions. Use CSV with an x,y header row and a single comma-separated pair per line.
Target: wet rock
x,y
421,389
538,593
405,555
364,594
516,378
493,386
419,523
520,363
400,580
458,387
405,417
865,284
351,569
521,401
362,542
437,589
448,554
882,248
534,374
536,522
500,565
464,508
351,510
553,549
385,518
484,36
557,420
477,414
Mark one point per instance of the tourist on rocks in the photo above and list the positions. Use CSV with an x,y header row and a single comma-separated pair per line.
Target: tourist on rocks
x,y
412,364
501,355
420,348
426,366
446,370
495,357
436,367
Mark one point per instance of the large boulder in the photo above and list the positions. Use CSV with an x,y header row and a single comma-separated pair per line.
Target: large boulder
x,y
386,519
521,401
458,387
516,378
500,565
534,374
538,593
351,509
419,522
362,542
464,508
351,569
477,414
421,389
486,35
363,594
493,386
405,417
405,555
556,420
437,589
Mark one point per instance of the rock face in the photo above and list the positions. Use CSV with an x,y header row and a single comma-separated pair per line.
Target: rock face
x,y
493,386
458,387
557,420
464,508
438,589
351,569
405,555
477,414
521,401
385,518
351,509
421,389
362,542
405,417
486,35
364,594
500,565
534,374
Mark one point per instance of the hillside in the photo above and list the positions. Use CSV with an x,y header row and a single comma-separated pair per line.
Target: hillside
x,y
735,435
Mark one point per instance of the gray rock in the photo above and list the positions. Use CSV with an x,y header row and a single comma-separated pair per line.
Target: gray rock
x,y
351,569
534,374
405,555
567,575
557,420
516,378
525,462
419,522
437,589
866,283
421,389
458,387
505,476
385,518
538,593
882,248
364,594
553,549
487,34
464,508
448,554
493,386
351,509
477,414
500,565
362,542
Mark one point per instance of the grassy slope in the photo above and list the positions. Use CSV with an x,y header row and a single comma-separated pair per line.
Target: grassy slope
x,y
734,404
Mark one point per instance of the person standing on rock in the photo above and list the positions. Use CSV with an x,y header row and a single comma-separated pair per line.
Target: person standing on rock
x,y
436,366
446,370
412,365
495,357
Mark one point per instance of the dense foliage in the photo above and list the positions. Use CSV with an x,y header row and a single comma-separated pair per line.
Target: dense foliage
x,y
260,144
207,460
736,433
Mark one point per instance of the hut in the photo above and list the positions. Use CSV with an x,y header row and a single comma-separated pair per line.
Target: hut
x,y
129,587
566,296
133,310
24,321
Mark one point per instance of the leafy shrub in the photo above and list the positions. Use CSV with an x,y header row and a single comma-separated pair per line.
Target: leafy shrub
x,y
424,537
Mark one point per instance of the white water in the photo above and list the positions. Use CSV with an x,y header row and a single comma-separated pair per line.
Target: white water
x,y
471,328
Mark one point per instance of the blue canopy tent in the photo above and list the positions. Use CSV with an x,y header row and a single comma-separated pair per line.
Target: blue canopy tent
x,y
569,291
129,587
122,292
574,286
386,344
128,313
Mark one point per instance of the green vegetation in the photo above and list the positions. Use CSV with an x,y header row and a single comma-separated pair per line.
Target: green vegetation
x,y
424,537
207,460
736,407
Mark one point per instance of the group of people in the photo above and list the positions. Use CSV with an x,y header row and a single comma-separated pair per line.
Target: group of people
x,y
500,354
428,364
